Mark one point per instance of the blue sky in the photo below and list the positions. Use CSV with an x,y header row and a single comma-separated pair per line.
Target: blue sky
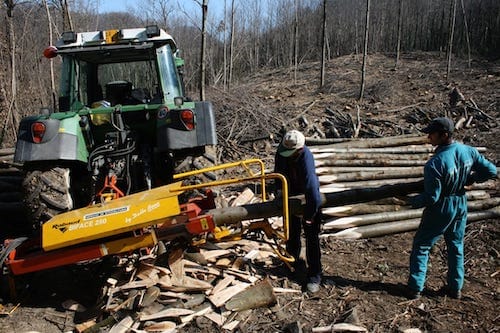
x,y
116,5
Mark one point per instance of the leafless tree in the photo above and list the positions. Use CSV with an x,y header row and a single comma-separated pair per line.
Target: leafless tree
x,y
323,47
450,39
296,42
400,23
204,9
52,77
231,43
11,120
466,32
365,50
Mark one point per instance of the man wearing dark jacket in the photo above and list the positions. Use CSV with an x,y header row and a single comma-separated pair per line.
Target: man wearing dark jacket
x,y
453,166
295,161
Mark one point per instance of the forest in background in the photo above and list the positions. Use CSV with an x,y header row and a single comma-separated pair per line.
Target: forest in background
x,y
246,37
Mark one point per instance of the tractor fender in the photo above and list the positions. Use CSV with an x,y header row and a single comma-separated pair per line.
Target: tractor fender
x,y
171,136
62,140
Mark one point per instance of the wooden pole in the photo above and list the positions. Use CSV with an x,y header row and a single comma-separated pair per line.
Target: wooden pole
x,y
382,229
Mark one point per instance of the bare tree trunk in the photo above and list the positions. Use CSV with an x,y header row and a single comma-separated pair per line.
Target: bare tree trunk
x,y
225,48
12,116
466,33
52,78
296,43
450,40
67,21
365,51
204,9
231,44
400,23
323,47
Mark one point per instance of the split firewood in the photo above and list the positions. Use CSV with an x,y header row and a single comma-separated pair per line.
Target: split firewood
x,y
123,326
167,313
217,318
212,255
136,285
205,309
243,198
222,284
185,283
244,276
164,326
223,296
231,326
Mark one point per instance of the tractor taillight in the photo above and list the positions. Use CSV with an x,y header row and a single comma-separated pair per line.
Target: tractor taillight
x,y
37,131
187,117
50,52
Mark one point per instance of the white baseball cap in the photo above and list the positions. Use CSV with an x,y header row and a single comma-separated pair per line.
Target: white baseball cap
x,y
292,141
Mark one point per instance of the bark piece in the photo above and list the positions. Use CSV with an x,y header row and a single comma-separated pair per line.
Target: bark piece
x,y
258,295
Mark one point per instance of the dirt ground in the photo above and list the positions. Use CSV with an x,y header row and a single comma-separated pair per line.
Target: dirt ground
x,y
363,278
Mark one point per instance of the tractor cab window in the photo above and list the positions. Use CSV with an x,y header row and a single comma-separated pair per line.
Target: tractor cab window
x,y
169,76
107,84
128,83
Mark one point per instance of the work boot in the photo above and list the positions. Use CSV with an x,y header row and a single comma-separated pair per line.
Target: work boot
x,y
413,294
313,287
314,284
456,294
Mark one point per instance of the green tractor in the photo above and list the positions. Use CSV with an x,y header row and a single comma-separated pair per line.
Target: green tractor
x,y
123,123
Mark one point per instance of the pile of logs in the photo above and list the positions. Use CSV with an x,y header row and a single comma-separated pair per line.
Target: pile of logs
x,y
11,205
376,162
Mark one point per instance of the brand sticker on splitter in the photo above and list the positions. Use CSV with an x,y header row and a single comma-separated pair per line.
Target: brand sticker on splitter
x,y
106,212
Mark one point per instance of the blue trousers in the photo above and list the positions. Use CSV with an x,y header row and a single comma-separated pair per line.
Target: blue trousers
x,y
313,250
448,218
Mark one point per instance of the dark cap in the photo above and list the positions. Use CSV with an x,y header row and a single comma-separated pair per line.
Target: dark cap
x,y
441,124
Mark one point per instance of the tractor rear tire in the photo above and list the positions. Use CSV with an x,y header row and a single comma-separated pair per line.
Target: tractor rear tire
x,y
47,193
208,159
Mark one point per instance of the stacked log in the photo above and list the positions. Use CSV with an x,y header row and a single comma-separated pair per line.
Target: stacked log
x,y
357,164
12,208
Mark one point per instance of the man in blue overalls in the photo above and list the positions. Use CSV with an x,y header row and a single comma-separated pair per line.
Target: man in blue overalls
x,y
295,161
453,166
